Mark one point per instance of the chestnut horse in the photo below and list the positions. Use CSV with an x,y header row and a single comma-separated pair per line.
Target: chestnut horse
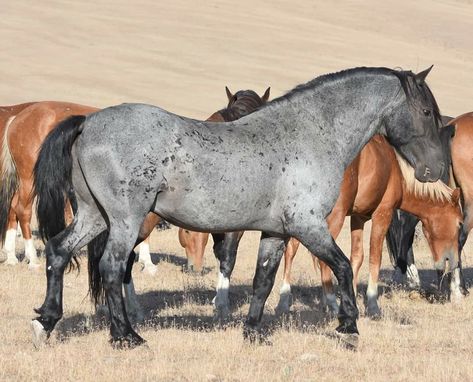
x,y
23,137
7,116
462,161
375,184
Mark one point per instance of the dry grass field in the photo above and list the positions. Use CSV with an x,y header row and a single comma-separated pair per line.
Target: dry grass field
x,y
415,339
180,55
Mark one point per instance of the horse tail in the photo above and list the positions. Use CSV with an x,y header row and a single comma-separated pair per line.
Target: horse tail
x,y
9,183
95,250
53,176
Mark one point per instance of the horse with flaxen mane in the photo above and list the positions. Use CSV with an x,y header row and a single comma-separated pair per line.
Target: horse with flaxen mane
x,y
277,170
401,232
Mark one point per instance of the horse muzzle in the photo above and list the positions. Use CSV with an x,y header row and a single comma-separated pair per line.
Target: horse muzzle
x,y
448,263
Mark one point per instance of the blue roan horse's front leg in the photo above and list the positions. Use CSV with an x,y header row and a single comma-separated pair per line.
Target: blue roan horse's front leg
x,y
270,253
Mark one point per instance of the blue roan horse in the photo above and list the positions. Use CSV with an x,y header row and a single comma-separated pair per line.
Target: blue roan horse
x,y
277,170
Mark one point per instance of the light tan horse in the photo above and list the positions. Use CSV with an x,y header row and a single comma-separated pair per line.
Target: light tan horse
x,y
374,185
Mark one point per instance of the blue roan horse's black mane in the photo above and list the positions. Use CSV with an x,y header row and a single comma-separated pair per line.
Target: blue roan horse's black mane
x,y
402,75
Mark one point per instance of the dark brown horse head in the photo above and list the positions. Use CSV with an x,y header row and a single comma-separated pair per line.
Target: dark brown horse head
x,y
242,103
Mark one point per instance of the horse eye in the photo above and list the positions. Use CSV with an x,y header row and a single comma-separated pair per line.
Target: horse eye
x,y
426,112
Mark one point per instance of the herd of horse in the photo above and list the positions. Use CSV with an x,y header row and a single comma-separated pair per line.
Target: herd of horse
x,y
364,143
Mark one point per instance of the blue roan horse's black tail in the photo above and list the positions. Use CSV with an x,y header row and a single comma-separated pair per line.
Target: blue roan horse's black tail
x,y
53,176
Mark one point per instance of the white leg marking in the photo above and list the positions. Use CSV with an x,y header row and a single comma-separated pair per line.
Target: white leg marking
x,y
221,301
9,246
133,307
412,275
30,254
455,293
285,298
145,259
39,335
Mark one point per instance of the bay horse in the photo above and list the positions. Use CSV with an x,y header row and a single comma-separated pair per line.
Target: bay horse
x,y
402,228
277,170
7,115
374,185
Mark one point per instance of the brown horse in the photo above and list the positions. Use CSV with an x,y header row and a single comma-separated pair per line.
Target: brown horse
x,y
22,139
7,115
374,185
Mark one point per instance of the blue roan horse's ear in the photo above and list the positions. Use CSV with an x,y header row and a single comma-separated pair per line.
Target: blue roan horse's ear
x,y
265,96
420,77
229,93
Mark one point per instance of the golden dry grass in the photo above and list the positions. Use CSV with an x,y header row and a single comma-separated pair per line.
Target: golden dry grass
x,y
415,339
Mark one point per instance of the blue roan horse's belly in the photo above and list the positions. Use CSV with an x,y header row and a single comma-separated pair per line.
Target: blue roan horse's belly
x,y
228,198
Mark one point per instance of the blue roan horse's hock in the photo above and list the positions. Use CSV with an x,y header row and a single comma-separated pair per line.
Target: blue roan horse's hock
x,y
277,170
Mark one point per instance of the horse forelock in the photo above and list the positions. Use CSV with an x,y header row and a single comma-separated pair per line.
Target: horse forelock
x,y
436,191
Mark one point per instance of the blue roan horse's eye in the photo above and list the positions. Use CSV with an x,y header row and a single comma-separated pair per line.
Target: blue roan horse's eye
x,y
426,112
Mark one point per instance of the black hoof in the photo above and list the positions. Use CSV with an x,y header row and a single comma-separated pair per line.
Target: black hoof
x,y
464,291
255,336
374,313
128,342
347,327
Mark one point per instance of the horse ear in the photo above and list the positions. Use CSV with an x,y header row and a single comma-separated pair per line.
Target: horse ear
x,y
421,76
265,96
456,195
229,93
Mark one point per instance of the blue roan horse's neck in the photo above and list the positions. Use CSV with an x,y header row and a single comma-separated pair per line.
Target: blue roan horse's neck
x,y
336,116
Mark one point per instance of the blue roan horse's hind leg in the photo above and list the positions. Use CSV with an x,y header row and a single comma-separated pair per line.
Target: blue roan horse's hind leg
x,y
112,267
59,250
270,253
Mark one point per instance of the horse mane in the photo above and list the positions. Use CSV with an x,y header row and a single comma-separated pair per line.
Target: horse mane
x,y
436,191
406,78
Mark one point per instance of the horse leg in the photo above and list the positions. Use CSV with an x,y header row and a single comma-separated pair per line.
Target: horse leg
x,y
285,296
315,236
380,225
357,253
24,212
144,252
225,250
9,247
59,251
270,252
133,306
145,257
335,223
112,266
194,243
464,231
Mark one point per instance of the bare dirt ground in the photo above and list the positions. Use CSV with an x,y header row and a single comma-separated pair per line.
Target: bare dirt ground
x,y
180,55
